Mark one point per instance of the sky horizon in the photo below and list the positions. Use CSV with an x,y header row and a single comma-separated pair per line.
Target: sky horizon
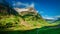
x,y
46,8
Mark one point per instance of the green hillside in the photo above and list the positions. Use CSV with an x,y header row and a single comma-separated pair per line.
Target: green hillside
x,y
10,20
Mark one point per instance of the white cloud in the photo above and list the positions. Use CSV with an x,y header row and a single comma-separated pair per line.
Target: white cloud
x,y
50,18
24,4
47,17
57,16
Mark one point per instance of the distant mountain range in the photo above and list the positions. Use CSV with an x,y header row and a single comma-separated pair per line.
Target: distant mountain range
x,y
53,20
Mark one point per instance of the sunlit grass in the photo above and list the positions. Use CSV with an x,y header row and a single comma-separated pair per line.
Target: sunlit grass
x,y
12,22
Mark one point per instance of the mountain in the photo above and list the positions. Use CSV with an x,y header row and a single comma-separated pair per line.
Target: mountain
x,y
50,20
55,20
58,20
19,18
31,17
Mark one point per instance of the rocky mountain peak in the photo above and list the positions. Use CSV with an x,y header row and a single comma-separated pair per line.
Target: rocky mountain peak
x,y
29,10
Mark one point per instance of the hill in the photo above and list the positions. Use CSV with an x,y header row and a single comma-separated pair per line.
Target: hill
x,y
19,19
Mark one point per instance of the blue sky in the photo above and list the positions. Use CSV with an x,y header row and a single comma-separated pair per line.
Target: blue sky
x,y
47,8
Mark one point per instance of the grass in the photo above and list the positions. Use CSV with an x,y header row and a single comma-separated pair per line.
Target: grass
x,y
28,22
35,31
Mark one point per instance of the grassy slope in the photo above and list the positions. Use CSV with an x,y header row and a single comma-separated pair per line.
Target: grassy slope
x,y
11,22
25,21
36,31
